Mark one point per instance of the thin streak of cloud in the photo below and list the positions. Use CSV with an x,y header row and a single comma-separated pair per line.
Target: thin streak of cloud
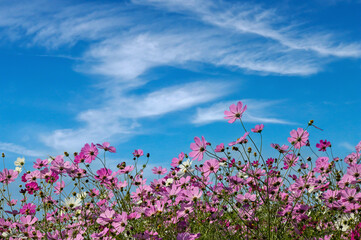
x,y
347,146
120,116
256,113
13,148
253,19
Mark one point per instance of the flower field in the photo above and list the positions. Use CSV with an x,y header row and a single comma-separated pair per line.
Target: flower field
x,y
215,191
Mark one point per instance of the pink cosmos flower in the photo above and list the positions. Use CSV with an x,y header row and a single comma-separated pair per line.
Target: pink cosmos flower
x,y
13,202
106,146
257,128
32,187
193,194
28,209
80,158
59,187
235,112
210,166
219,148
177,161
298,138
59,166
51,177
323,145
28,220
40,163
188,236
354,170
159,170
239,140
199,147
279,148
138,153
352,158
290,161
120,222
90,152
8,175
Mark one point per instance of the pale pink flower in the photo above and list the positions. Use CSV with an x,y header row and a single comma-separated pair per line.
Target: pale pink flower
x,y
8,175
199,147
138,153
257,128
235,112
298,138
210,166
219,148
159,170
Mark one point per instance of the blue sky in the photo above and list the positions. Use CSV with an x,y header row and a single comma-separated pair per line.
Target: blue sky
x,y
153,74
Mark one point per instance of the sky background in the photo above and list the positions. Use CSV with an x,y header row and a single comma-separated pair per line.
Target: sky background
x,y
154,74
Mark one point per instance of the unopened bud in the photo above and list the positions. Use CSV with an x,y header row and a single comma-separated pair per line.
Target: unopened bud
x,y
148,155
310,122
66,154
75,154
249,150
3,155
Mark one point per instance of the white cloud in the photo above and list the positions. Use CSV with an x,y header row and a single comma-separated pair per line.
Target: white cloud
x,y
124,41
266,23
10,147
257,112
119,117
347,146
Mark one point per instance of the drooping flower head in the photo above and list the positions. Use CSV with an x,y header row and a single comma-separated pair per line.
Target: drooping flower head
x,y
235,112
257,128
106,147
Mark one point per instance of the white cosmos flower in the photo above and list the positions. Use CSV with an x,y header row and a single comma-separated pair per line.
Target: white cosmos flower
x,y
72,202
81,195
242,175
18,169
185,167
19,162
169,181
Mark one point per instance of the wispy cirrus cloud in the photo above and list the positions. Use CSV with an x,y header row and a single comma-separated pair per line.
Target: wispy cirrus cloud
x,y
266,23
121,113
125,41
13,148
257,112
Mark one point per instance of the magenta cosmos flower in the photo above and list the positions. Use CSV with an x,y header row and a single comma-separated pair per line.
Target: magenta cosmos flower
x,y
235,112
298,138
199,147
323,145
28,209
